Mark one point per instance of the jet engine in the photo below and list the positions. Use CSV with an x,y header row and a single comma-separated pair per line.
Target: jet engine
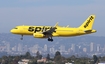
x,y
38,35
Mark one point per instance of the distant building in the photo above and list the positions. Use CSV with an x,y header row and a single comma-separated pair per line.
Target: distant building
x,y
62,48
20,47
35,48
42,60
68,63
84,50
73,47
2,48
45,47
24,61
91,47
52,50
98,47
8,47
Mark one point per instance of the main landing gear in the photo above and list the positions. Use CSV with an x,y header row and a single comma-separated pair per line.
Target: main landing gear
x,y
50,39
21,37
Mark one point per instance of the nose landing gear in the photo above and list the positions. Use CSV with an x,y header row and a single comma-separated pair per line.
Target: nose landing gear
x,y
21,37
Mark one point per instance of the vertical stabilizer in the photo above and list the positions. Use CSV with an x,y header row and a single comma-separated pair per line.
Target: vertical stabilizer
x,y
88,22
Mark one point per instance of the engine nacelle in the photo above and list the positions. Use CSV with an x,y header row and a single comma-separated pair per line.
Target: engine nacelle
x,y
38,35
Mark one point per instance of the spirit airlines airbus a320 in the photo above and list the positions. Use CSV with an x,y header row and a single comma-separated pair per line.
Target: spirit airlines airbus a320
x,y
55,31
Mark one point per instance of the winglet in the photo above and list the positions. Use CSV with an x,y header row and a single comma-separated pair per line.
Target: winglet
x,y
67,26
56,24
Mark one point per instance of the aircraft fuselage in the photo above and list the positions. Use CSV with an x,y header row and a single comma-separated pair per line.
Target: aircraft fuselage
x,y
60,31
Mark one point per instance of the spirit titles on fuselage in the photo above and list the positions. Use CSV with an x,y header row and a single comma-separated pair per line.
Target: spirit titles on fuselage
x,y
39,29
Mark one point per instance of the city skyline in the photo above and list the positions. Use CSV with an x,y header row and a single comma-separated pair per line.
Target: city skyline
x,y
73,49
83,46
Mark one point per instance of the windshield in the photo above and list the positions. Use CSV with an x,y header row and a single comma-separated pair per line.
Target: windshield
x,y
15,28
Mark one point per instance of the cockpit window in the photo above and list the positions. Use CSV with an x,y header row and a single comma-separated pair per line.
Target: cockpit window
x,y
15,28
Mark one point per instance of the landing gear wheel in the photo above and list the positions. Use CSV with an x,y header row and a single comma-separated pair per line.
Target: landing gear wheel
x,y
50,39
21,38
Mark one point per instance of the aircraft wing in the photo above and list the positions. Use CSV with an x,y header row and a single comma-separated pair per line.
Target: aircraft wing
x,y
50,31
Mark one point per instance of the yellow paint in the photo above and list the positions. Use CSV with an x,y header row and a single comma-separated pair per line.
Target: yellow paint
x,y
85,28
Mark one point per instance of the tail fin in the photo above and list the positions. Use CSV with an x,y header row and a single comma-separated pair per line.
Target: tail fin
x,y
88,23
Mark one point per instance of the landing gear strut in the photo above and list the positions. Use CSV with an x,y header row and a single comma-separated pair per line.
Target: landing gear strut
x,y
21,37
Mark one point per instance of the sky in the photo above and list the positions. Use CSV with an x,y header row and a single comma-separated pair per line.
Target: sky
x,y
48,12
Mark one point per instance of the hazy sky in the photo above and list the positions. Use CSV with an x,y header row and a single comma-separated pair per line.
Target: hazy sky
x,y
48,12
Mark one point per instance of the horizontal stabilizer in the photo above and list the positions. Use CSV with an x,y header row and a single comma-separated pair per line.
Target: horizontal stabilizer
x,y
88,31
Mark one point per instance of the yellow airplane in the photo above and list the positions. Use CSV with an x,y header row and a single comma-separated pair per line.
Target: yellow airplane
x,y
55,31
